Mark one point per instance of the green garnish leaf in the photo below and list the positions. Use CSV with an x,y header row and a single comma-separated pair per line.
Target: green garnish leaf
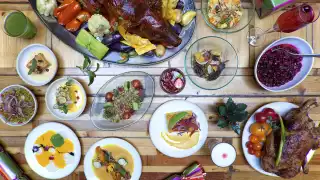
x,y
133,54
86,62
222,123
33,66
86,69
98,66
107,104
222,110
92,75
57,140
64,108
231,114
69,82
176,118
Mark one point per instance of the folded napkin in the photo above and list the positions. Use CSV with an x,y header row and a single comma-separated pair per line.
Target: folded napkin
x,y
193,172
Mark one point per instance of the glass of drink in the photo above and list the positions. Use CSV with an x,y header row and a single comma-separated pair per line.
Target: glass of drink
x,y
222,154
16,24
289,21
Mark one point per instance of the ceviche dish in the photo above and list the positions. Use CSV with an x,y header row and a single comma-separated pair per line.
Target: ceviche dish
x,y
112,162
131,27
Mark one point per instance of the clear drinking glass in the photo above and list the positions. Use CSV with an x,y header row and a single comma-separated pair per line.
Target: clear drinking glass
x,y
16,24
289,21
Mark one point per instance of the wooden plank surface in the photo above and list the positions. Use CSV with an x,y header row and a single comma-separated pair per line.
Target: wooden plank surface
x,y
155,165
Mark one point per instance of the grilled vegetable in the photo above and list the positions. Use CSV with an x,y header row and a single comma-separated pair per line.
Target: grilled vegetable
x,y
188,17
98,25
74,25
112,38
177,28
160,50
86,40
120,47
69,13
46,7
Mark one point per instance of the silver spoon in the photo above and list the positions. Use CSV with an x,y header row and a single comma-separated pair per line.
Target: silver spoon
x,y
294,54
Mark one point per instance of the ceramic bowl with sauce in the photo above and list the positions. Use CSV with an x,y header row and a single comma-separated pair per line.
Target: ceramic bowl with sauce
x,y
172,81
75,103
46,58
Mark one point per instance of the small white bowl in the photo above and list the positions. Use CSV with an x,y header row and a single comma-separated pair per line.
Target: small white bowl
x,y
26,55
35,105
51,100
307,62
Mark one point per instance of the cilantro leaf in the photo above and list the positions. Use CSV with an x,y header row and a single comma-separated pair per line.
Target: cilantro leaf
x,y
33,66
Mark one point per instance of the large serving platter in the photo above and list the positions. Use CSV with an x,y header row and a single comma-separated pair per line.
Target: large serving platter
x,y
112,57
282,108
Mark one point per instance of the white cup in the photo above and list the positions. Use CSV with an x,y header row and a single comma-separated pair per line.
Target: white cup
x,y
222,154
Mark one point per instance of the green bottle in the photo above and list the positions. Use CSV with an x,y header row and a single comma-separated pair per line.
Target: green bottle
x,y
16,24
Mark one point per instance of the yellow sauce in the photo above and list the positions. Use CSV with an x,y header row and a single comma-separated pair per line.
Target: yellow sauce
x,y
76,98
117,153
44,76
58,153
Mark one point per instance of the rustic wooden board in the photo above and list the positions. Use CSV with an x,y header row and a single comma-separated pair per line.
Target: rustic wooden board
x,y
155,165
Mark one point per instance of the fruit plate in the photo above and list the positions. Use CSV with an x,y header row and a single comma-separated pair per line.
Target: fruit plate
x,y
112,57
88,170
158,125
281,108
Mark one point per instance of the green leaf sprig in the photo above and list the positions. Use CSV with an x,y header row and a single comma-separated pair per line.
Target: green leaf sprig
x,y
231,114
33,66
85,68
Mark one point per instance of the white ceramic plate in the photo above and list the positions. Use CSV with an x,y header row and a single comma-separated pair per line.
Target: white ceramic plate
x,y
51,100
35,105
158,124
281,108
31,158
26,55
113,141
307,62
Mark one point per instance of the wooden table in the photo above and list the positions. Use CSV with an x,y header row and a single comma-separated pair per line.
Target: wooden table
x,y
156,166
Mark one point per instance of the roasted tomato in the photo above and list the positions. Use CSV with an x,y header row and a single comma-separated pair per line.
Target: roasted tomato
x,y
249,145
260,117
251,151
260,129
258,154
254,139
136,84
271,114
73,26
257,146
126,115
109,96
83,16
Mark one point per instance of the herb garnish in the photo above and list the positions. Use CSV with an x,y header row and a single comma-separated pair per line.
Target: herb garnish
x,y
57,140
85,68
231,114
33,66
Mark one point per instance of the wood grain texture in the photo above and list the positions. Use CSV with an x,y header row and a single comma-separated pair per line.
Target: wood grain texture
x,y
156,166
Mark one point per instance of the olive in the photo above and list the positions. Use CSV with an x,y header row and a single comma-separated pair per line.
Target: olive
x,y
109,96
136,84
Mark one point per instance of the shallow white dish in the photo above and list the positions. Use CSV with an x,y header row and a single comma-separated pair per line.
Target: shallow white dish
x,y
307,62
158,124
110,141
35,105
281,108
51,100
31,159
26,55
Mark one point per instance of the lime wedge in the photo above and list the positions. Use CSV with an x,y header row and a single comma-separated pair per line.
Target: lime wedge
x,y
176,118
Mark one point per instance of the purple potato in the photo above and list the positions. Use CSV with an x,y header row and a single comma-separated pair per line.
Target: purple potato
x,y
149,54
112,38
177,28
180,5
120,47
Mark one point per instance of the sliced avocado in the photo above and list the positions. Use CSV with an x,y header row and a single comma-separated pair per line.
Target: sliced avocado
x,y
176,118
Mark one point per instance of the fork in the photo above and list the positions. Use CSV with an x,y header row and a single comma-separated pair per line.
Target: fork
x,y
294,54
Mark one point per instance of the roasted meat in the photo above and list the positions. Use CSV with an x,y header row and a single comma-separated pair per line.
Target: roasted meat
x,y
140,17
302,137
